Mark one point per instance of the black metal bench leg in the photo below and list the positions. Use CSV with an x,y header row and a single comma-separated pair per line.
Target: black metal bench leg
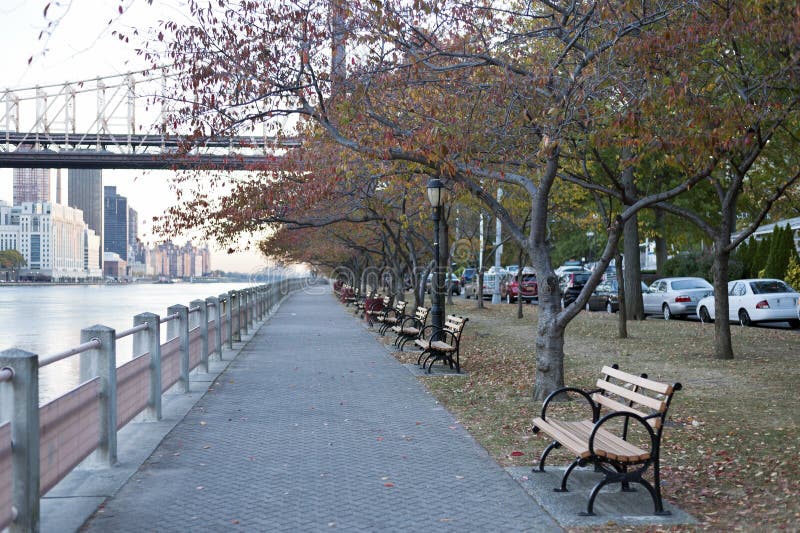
x,y
655,492
552,446
421,355
595,491
570,468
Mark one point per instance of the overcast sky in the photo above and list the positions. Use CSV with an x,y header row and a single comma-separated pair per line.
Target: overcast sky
x,y
82,47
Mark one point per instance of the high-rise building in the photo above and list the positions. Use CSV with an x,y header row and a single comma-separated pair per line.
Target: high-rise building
x,y
115,223
133,226
85,192
31,185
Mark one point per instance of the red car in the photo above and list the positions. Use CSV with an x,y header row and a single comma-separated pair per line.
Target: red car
x,y
527,289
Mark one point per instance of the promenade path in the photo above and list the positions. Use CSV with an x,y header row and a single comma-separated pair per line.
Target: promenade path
x,y
315,427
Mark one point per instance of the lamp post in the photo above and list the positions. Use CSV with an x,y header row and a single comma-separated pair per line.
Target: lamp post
x,y
590,237
436,194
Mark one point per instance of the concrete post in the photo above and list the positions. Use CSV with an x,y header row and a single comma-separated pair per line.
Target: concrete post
x,y
226,299
244,305
236,322
146,341
19,403
214,303
202,320
180,328
102,362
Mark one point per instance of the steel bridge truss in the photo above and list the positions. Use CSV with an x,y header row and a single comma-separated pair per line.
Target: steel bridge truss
x,y
42,128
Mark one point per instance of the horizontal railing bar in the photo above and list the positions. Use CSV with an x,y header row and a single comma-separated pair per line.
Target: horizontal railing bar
x,y
194,309
135,329
173,316
6,374
85,347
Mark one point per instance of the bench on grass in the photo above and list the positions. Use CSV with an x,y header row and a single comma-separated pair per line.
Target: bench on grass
x,y
411,327
441,344
373,307
361,303
391,317
622,439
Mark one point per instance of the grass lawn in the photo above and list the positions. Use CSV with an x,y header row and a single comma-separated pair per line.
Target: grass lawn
x,y
730,451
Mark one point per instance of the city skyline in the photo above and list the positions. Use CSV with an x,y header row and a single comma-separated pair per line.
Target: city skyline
x,y
80,47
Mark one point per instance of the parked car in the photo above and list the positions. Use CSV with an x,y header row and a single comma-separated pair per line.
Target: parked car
x,y
512,269
468,275
527,288
491,279
751,301
675,297
606,296
455,283
571,284
570,266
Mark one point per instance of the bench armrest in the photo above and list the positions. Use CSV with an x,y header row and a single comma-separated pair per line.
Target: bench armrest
x,y
410,321
628,415
428,332
586,395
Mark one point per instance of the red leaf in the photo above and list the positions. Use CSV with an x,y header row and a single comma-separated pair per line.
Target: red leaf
x,y
517,454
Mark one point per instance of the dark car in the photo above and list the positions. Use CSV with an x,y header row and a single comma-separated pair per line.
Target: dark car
x,y
527,289
571,285
468,276
606,296
455,283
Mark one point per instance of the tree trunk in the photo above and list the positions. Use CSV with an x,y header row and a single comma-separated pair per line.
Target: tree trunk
x,y
723,347
622,319
632,272
520,258
661,241
444,250
479,292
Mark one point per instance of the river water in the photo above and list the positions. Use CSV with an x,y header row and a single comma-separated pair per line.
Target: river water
x,y
48,319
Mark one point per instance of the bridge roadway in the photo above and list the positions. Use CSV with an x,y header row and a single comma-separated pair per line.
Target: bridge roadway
x,y
314,426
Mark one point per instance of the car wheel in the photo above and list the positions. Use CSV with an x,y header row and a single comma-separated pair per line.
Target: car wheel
x,y
609,308
794,324
667,312
744,318
704,316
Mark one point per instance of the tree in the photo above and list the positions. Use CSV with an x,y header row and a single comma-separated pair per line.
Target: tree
x,y
473,93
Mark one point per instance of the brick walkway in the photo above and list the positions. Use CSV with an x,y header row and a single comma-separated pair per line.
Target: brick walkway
x,y
316,427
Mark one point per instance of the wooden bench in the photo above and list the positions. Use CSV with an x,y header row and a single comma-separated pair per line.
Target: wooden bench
x,y
374,307
411,327
441,344
392,316
639,406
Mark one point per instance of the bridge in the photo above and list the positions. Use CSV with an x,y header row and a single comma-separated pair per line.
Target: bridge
x,y
116,122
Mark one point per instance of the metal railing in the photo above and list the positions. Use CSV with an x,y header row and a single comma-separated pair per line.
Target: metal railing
x,y
108,397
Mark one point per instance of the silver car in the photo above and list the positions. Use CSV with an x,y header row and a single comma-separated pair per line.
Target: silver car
x,y
675,297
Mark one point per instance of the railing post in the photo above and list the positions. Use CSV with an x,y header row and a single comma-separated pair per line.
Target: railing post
x,y
146,341
213,301
260,302
226,299
102,362
244,305
19,403
180,328
236,331
202,317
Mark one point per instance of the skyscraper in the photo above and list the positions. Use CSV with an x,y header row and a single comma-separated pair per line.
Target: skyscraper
x,y
85,192
31,185
115,220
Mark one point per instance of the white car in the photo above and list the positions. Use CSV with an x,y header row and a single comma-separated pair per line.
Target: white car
x,y
756,300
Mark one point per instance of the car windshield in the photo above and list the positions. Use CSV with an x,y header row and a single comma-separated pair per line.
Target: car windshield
x,y
529,277
683,284
769,286
581,278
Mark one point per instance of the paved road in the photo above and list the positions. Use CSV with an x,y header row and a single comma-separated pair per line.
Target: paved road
x,y
316,427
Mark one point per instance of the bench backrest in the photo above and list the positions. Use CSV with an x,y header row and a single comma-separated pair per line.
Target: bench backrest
x,y
620,391
400,307
455,324
421,314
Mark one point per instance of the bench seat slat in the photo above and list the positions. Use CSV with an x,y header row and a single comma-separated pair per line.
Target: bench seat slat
x,y
440,346
649,384
575,437
628,394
